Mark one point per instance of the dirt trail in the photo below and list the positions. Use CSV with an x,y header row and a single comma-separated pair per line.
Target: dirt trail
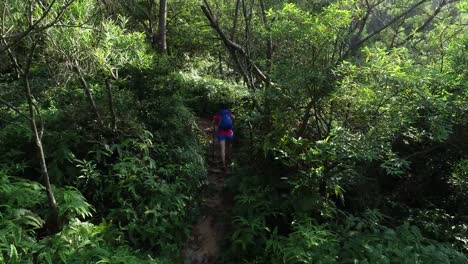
x,y
203,247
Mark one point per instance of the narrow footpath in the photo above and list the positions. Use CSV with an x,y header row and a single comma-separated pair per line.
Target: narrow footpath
x,y
203,247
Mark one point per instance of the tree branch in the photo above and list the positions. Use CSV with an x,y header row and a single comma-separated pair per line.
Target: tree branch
x,y
392,21
18,36
88,93
426,23
13,123
231,45
269,51
12,107
236,17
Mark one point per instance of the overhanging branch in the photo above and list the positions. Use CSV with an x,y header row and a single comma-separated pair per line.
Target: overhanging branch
x,y
234,48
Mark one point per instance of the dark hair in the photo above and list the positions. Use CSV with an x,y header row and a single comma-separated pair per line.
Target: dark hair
x,y
223,105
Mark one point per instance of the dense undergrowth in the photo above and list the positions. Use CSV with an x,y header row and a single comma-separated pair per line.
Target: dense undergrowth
x,y
125,196
382,187
350,124
137,188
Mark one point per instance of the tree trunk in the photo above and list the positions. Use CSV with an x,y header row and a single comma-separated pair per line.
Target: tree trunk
x,y
53,219
269,50
234,48
89,96
234,24
111,104
305,119
162,44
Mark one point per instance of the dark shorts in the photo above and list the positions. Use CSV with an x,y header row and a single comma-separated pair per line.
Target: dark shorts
x,y
225,137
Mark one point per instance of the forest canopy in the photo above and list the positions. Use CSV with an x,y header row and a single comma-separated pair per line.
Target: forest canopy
x,y
350,120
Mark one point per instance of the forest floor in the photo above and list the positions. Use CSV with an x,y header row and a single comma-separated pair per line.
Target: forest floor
x,y
203,246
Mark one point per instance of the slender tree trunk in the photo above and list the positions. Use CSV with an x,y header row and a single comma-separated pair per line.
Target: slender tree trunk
x,y
17,67
220,66
269,50
317,120
162,44
305,119
234,24
89,95
53,219
111,104
237,51
269,62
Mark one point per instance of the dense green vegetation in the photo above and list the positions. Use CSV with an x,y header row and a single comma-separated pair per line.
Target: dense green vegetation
x,y
351,129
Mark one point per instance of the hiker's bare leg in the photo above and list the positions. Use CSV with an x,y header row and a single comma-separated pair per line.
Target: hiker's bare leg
x,y
222,144
229,151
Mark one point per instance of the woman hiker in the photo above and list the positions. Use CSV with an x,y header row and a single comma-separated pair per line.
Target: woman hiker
x,y
224,130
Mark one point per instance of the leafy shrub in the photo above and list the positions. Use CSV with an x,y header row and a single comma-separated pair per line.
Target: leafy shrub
x,y
441,226
14,143
82,242
24,204
204,93
146,197
367,241
459,178
356,240
308,243
71,203
18,221
253,206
